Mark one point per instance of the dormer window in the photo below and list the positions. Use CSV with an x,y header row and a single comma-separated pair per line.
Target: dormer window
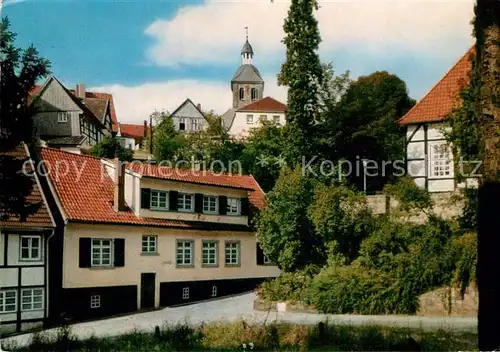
x,y
185,202
159,200
242,93
233,206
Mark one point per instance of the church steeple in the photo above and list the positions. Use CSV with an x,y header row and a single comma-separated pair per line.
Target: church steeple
x,y
247,84
246,51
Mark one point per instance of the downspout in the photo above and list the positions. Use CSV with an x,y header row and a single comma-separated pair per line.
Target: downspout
x,y
47,274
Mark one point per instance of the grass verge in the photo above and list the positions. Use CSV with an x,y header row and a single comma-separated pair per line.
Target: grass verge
x,y
241,336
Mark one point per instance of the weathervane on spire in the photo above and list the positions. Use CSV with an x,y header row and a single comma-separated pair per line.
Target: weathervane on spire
x,y
246,30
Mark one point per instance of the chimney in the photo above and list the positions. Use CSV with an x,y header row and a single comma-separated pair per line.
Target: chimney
x,y
145,129
80,91
119,182
198,106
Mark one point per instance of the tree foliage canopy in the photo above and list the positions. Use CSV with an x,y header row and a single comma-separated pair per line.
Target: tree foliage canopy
x,y
110,148
20,69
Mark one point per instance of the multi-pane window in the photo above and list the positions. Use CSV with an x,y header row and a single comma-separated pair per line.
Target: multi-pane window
x,y
249,119
149,244
185,202
233,206
32,299
31,248
185,293
95,301
262,118
276,118
62,116
185,253
194,125
159,200
214,291
440,160
102,253
210,204
8,301
209,252
232,253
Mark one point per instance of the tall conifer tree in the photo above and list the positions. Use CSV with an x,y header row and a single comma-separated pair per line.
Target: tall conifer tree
x,y
302,73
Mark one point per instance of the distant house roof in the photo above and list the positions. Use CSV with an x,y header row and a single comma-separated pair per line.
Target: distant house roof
x,y
88,196
67,141
247,73
133,130
41,218
185,102
94,106
441,99
266,104
228,118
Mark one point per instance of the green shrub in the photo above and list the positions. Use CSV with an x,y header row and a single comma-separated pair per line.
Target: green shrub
x,y
355,289
289,286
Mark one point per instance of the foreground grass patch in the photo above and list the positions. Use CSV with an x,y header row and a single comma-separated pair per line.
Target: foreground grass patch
x,y
241,336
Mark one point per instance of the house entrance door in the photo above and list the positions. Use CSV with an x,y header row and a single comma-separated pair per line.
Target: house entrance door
x,y
148,290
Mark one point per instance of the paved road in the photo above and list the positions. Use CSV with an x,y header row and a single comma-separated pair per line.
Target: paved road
x,y
241,307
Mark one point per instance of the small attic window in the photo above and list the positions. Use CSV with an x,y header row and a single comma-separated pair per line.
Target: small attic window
x,y
242,93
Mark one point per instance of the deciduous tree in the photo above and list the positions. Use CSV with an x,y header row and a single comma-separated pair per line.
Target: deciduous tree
x,y
19,69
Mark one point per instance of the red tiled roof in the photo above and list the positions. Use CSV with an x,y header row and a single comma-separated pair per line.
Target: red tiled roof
x,y
41,218
89,94
134,131
266,104
90,196
441,99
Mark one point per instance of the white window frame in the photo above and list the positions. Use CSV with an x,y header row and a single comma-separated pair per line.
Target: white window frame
x,y
95,301
232,255
3,301
276,119
440,160
249,119
207,200
185,293
99,249
28,298
262,118
149,244
266,260
210,250
180,252
229,210
62,117
181,202
156,200
194,124
182,120
30,248
214,291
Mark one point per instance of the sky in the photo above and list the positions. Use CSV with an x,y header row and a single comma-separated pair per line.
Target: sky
x,y
153,54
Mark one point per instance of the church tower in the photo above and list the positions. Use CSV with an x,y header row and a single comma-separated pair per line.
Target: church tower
x,y
247,84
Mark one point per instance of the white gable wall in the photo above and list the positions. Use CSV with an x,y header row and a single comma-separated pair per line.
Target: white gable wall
x,y
241,127
187,113
427,168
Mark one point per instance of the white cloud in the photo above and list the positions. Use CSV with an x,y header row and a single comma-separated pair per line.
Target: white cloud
x,y
135,104
213,31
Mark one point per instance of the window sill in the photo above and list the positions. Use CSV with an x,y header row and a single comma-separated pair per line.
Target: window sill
x,y
180,266
233,265
102,268
150,254
21,260
209,265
